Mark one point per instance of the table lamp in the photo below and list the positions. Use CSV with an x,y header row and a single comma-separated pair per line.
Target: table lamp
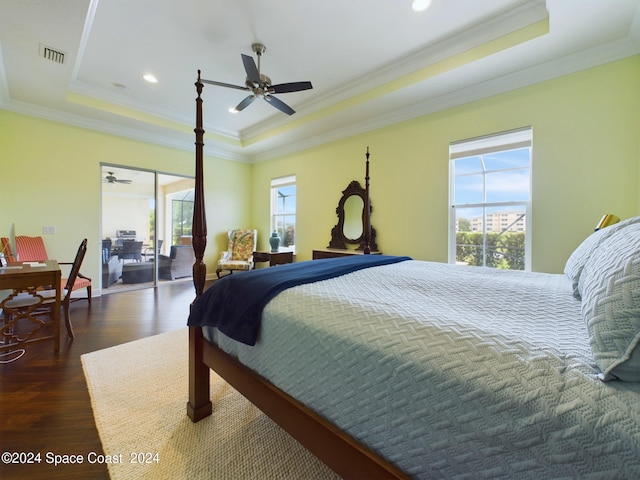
x,y
607,220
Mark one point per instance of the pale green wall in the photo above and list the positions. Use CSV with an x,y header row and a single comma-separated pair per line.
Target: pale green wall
x,y
586,154
51,176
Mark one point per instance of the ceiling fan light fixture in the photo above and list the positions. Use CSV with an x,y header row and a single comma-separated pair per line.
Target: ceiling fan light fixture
x,y
149,77
259,85
420,5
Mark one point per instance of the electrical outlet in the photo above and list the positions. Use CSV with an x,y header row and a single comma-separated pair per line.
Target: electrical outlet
x,y
49,230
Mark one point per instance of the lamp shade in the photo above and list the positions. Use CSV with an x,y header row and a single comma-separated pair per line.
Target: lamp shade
x,y
606,220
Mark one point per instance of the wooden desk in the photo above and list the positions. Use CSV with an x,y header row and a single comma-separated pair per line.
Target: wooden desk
x,y
274,258
21,277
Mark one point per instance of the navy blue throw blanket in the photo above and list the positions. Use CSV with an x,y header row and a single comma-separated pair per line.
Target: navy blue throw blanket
x,y
234,303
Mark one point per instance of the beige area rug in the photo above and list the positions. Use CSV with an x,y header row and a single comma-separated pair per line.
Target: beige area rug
x,y
139,395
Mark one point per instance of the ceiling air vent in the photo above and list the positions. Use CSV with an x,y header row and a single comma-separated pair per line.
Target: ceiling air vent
x,y
52,54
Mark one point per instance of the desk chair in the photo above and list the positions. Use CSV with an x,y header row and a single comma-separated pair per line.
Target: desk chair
x,y
46,299
32,249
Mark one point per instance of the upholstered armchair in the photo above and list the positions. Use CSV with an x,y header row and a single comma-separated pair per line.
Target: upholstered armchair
x,y
239,255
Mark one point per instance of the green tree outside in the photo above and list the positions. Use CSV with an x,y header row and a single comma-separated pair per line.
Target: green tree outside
x,y
503,249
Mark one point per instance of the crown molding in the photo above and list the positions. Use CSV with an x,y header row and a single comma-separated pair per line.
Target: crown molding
x,y
116,130
527,14
290,144
558,67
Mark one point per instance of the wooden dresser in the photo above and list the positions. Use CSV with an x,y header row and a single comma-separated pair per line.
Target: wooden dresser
x,y
334,252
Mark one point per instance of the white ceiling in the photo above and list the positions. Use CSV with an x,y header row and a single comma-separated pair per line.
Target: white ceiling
x,y
371,62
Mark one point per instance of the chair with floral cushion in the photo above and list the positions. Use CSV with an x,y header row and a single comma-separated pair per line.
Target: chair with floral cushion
x,y
239,255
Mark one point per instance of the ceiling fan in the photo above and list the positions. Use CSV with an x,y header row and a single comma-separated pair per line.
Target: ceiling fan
x,y
259,85
110,178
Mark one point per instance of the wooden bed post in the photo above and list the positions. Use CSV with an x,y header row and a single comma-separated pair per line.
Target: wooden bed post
x,y
199,226
367,211
199,405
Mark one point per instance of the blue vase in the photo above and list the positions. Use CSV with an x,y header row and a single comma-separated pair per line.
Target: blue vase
x,y
274,241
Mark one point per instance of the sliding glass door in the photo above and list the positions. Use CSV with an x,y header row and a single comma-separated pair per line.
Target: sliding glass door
x,y
146,225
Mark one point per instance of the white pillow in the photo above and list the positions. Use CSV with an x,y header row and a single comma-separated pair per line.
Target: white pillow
x,y
610,287
575,263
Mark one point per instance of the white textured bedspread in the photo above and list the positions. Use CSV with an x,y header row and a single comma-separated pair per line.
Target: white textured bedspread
x,y
452,372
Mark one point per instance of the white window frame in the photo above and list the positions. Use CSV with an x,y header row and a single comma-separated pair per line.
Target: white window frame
x,y
277,183
499,142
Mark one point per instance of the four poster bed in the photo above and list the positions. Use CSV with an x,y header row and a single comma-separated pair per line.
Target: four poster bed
x,y
386,367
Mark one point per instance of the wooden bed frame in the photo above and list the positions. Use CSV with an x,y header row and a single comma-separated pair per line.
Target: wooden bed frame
x,y
335,448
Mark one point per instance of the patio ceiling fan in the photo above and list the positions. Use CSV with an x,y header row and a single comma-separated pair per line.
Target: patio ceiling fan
x,y
111,178
259,85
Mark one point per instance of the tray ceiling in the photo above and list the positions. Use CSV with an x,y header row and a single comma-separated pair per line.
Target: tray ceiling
x,y
371,62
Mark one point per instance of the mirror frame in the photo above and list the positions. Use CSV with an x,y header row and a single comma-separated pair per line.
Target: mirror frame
x,y
338,238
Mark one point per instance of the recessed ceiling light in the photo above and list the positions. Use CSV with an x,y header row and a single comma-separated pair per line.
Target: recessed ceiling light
x,y
420,5
150,78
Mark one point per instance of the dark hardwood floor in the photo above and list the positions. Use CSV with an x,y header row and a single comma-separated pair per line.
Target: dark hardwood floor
x,y
44,402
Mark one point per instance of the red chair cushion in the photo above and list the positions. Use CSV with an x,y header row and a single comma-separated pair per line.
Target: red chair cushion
x,y
31,249
6,249
79,283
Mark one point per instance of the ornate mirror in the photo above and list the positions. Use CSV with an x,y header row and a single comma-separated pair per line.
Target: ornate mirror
x,y
350,226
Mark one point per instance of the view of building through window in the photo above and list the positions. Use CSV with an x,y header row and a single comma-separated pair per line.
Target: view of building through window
x,y
283,210
490,201
494,222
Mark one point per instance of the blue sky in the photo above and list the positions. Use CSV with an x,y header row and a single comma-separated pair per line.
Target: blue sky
x,y
507,177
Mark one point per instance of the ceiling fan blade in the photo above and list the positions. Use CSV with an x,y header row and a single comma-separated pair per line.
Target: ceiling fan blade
x,y
111,178
291,87
279,104
251,69
221,84
245,103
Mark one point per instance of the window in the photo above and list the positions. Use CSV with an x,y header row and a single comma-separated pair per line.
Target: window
x,y
181,215
283,211
490,198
